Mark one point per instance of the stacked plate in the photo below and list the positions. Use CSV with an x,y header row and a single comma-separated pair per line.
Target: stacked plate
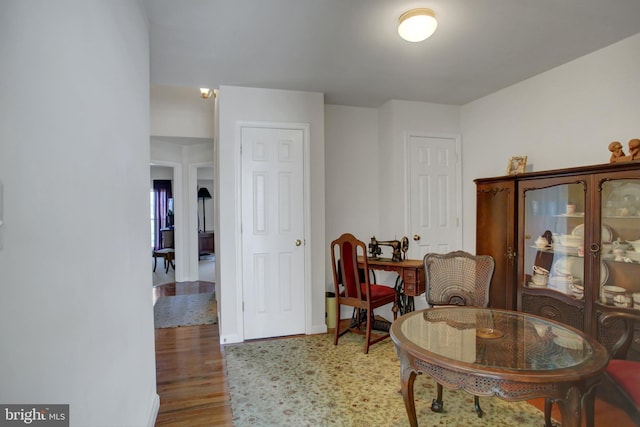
x,y
636,300
577,290
609,293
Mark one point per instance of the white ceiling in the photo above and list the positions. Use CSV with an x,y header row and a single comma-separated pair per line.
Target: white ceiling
x,y
350,49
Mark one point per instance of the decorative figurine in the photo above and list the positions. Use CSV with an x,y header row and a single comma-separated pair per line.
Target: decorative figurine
x,y
617,155
634,149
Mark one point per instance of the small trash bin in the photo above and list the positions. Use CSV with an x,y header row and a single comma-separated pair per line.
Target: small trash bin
x,y
330,309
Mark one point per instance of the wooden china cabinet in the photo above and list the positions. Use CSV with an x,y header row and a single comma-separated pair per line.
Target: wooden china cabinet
x,y
590,213
495,221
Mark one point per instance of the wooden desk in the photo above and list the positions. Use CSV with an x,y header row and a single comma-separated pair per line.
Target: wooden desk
x,y
512,355
411,278
206,243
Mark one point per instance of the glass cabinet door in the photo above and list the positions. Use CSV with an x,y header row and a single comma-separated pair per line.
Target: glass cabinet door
x,y
620,243
554,239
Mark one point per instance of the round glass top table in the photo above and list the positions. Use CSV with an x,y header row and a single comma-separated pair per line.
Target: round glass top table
x,y
512,355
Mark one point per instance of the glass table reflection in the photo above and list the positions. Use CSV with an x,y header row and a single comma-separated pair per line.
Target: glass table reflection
x,y
508,354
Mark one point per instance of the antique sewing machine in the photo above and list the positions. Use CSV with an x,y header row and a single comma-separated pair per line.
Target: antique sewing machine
x,y
400,248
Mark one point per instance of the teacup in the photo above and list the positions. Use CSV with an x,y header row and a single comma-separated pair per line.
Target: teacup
x,y
635,244
618,244
539,280
540,276
621,301
541,242
540,271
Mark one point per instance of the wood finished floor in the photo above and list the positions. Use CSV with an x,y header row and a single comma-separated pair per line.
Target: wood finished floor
x,y
192,383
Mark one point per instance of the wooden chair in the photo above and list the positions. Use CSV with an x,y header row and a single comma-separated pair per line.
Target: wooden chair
x,y
354,289
168,254
457,278
621,381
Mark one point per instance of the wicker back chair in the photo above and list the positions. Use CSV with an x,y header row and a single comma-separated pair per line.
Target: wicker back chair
x,y
457,278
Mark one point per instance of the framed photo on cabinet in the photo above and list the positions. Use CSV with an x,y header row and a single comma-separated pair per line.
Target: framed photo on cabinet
x,y
516,165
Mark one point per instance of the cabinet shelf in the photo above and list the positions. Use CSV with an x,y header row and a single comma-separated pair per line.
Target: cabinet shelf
x,y
551,250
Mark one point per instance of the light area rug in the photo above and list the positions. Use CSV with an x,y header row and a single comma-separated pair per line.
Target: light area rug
x,y
185,310
307,381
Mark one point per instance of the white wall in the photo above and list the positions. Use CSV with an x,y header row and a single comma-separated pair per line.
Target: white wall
x,y
351,159
250,104
180,112
161,172
76,315
561,118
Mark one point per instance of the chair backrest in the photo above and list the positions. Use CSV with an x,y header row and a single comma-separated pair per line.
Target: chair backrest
x,y
344,259
620,384
458,278
616,332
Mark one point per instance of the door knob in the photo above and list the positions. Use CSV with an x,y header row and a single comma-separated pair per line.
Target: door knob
x,y
298,242
416,237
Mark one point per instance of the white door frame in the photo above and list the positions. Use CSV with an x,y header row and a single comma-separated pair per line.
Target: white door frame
x,y
407,180
305,128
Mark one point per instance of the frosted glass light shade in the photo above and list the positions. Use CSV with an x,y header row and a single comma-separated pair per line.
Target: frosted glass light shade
x,y
417,24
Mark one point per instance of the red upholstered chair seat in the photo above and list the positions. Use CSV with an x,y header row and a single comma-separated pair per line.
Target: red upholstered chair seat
x,y
379,291
626,373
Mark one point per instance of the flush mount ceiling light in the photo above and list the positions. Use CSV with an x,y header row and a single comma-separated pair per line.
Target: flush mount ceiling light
x,y
205,93
417,24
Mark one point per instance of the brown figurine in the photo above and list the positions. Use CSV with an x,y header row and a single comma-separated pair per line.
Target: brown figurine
x,y
634,149
617,154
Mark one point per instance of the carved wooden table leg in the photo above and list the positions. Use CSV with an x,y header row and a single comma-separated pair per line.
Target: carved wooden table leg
x,y
407,377
571,408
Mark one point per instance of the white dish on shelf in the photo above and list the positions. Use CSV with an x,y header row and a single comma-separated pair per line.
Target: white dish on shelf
x,y
575,267
568,240
605,232
540,286
633,255
635,244
570,250
614,290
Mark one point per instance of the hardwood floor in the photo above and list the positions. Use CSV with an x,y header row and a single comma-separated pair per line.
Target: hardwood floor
x,y
192,383
190,371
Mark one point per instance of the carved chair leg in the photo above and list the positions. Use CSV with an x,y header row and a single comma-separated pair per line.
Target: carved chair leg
x,y
436,404
476,406
548,403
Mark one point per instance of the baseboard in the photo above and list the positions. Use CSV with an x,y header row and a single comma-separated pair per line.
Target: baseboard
x,y
230,339
153,411
318,329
